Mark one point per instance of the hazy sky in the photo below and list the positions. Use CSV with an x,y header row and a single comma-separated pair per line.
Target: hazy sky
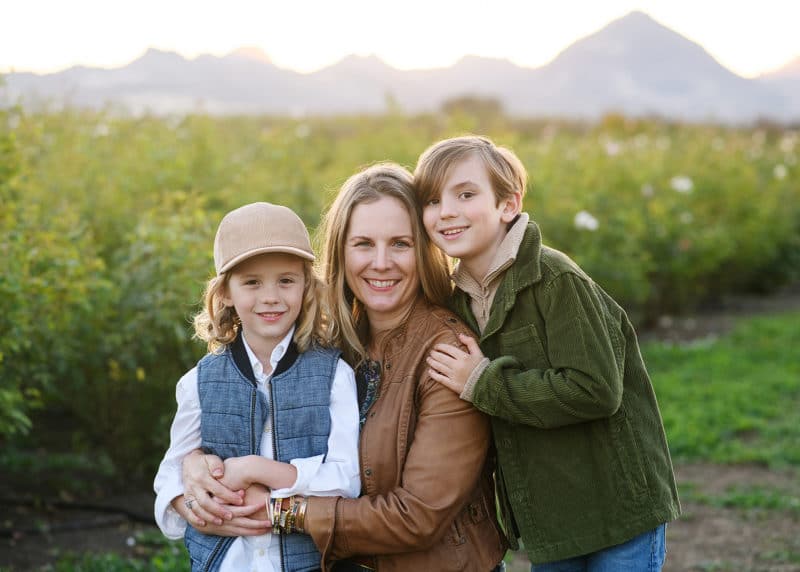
x,y
748,37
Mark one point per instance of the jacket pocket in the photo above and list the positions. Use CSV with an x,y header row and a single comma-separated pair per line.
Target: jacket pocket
x,y
627,456
524,344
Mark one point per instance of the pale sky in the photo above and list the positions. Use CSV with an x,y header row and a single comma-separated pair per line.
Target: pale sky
x,y
747,37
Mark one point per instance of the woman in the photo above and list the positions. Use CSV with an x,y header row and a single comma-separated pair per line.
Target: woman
x,y
427,501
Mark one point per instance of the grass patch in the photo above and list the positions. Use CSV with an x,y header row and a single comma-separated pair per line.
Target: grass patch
x,y
154,553
734,399
744,497
43,473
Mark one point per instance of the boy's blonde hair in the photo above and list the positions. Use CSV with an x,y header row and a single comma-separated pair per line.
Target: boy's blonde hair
x,y
506,172
348,327
218,324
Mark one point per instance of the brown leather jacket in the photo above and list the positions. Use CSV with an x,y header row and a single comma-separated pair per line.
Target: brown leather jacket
x,y
426,481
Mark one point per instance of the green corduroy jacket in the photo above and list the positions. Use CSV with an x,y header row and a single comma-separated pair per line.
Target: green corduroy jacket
x,y
583,458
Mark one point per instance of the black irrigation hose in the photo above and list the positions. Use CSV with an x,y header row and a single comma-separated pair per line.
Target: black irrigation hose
x,y
119,515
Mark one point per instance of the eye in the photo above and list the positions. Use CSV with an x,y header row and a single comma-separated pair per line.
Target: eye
x,y
402,243
251,282
287,280
432,202
362,243
466,195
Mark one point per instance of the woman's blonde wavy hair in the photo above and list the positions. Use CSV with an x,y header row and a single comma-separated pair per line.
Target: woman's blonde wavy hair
x,y
218,324
348,328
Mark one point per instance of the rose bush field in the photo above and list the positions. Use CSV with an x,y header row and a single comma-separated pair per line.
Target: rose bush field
x,y
107,221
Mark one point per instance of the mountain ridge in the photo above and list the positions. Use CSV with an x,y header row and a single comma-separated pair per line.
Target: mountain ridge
x,y
633,65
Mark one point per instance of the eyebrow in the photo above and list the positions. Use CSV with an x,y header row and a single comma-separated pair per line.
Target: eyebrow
x,y
360,237
257,275
464,184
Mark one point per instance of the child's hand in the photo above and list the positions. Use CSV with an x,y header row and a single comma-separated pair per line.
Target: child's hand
x,y
452,366
237,473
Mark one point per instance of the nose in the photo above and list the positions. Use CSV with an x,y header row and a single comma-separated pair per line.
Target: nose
x,y
381,260
269,294
446,207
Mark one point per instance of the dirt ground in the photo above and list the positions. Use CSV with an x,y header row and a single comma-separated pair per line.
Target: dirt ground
x,y
706,538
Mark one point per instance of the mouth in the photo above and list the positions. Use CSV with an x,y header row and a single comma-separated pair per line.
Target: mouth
x,y
451,233
270,316
381,284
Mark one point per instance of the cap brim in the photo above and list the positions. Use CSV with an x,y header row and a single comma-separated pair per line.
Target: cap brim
x,y
267,249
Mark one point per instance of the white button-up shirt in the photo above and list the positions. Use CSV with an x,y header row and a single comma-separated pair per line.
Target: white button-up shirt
x,y
336,474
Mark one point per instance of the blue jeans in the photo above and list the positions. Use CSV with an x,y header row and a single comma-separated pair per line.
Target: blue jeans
x,y
643,553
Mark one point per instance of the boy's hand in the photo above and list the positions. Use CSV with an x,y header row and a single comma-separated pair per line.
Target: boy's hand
x,y
452,366
237,473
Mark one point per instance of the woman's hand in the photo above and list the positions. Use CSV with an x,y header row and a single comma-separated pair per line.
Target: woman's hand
x,y
249,519
208,500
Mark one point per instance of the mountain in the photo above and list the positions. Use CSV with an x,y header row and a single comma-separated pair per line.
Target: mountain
x,y
786,82
638,66
634,65
790,71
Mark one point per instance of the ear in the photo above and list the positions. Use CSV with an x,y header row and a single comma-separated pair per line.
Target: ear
x,y
511,206
225,297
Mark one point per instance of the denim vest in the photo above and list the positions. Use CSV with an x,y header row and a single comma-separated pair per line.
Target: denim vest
x,y
232,421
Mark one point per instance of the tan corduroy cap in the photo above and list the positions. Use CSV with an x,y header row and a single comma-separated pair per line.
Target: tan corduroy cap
x,y
258,228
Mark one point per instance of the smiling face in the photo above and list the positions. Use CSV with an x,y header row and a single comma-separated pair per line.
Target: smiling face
x,y
380,263
267,293
466,221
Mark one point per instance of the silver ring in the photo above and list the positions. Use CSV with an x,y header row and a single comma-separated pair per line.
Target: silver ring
x,y
188,503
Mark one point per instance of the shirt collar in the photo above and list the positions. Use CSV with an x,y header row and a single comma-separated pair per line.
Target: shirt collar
x,y
274,358
503,258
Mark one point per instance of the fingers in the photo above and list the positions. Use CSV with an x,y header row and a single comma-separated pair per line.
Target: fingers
x,y
199,482
246,510
211,511
444,380
222,493
472,345
215,465
184,505
448,350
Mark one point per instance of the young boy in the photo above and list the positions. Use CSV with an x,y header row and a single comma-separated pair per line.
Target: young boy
x,y
584,473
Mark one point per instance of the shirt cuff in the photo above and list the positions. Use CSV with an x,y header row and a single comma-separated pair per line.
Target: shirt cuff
x,y
469,388
172,524
306,469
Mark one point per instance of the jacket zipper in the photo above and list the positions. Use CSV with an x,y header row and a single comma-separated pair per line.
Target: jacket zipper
x,y
275,456
213,555
253,398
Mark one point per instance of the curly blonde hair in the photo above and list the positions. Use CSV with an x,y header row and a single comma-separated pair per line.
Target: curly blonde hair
x,y
218,324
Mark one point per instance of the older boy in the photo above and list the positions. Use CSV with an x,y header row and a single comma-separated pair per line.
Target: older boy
x,y
584,476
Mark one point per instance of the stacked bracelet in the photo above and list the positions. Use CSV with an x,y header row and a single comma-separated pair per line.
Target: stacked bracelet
x,y
288,515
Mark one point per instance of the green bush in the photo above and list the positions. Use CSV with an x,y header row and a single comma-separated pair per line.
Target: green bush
x,y
107,223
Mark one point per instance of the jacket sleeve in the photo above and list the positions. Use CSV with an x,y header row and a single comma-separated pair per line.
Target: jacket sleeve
x,y
585,349
441,470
